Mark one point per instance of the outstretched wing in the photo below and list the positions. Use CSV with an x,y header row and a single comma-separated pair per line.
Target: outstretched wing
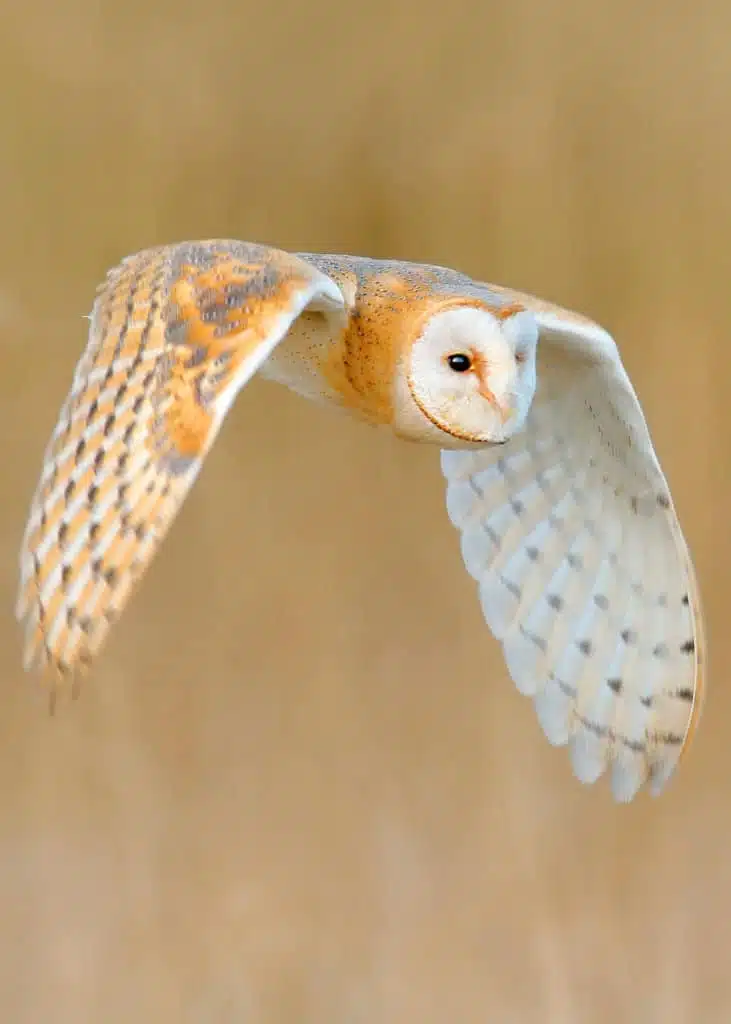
x,y
570,531
175,334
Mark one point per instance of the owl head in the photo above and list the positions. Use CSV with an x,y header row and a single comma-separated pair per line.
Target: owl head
x,y
471,374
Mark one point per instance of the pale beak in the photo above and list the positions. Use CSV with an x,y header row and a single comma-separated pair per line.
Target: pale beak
x,y
501,410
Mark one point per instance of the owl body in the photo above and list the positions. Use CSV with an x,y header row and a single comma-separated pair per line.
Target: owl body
x,y
565,517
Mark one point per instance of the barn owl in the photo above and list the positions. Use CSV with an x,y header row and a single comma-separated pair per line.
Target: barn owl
x,y
566,522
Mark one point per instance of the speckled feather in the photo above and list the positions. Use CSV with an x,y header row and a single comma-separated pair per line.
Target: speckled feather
x,y
175,332
568,528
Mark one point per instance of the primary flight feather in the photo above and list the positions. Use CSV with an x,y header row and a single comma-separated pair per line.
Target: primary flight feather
x,y
566,520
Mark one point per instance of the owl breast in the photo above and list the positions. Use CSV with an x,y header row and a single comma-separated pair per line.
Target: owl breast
x,y
346,369
300,360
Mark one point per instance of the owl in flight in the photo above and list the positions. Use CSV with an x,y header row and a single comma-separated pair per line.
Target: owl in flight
x,y
566,522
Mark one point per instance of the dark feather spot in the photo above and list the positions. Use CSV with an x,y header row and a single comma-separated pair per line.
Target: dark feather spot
x,y
660,651
566,688
66,574
672,739
542,480
647,702
555,602
688,647
686,600
94,530
629,636
109,424
537,641
99,459
593,727
601,601
533,553
615,685
63,532
685,693
491,533
517,506
80,448
585,646
575,561
93,492
70,488
663,501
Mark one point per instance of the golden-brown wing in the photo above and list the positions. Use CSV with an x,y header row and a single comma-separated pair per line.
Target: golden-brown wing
x,y
175,333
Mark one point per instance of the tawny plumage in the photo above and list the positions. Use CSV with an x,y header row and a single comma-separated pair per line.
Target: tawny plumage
x,y
566,521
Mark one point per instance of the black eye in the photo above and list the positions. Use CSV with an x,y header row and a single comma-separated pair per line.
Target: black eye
x,y
459,362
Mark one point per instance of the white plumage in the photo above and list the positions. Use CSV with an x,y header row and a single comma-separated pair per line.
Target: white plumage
x,y
583,574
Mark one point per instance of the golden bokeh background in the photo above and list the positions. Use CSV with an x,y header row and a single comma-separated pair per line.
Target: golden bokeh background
x,y
299,786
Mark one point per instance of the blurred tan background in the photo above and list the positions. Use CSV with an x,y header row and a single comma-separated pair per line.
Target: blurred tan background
x,y
300,786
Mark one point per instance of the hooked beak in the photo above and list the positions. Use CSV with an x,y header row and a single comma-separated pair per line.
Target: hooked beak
x,y
501,410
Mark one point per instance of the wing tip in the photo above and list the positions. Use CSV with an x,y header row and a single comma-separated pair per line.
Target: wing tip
x,y
627,772
55,678
56,675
